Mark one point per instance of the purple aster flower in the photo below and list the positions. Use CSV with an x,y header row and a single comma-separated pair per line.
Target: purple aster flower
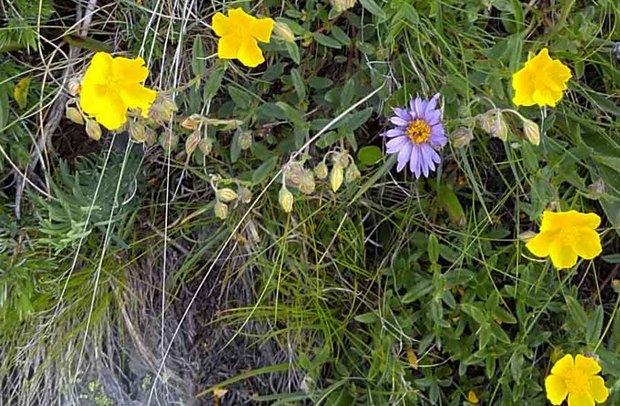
x,y
417,136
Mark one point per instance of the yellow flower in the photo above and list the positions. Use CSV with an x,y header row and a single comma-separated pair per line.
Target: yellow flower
x,y
541,81
111,86
239,33
576,379
472,397
565,236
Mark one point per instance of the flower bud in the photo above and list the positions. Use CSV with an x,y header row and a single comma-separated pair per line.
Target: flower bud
x,y
206,146
283,32
220,210
336,177
74,86
192,141
93,129
341,158
321,171
192,122
293,173
352,173
150,136
531,131
285,198
137,131
74,115
342,5
493,123
168,141
245,195
461,137
226,195
306,183
245,141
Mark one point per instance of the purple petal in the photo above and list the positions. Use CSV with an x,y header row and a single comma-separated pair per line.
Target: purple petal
x,y
399,121
420,107
402,113
403,157
438,137
425,159
395,144
432,117
394,132
414,163
432,104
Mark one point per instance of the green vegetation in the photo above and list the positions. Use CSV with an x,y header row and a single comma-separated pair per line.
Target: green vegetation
x,y
123,279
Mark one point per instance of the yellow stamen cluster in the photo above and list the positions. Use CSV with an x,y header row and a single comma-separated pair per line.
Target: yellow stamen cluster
x,y
418,131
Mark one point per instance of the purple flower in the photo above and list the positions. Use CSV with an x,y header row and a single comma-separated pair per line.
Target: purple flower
x,y
417,136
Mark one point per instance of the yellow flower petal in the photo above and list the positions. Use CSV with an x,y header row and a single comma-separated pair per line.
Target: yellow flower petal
x,y
598,389
540,245
562,255
113,113
563,365
571,218
556,389
136,96
127,70
250,54
240,18
90,96
228,47
587,365
523,85
580,399
588,243
261,29
221,24
544,97
99,70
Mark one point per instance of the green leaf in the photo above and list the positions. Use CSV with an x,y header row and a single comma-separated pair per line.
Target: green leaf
x,y
235,148
373,8
502,315
198,57
87,43
367,318
433,248
4,107
319,82
240,97
291,113
264,170
213,84
298,83
475,312
369,155
326,41
293,51
594,326
340,35
575,310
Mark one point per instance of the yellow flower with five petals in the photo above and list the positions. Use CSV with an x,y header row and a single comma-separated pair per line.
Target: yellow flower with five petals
x,y
239,34
542,81
111,86
578,379
566,235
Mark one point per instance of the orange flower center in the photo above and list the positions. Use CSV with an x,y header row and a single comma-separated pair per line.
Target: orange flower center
x,y
577,381
418,131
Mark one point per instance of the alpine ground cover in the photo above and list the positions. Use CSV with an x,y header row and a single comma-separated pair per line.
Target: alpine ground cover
x,y
320,202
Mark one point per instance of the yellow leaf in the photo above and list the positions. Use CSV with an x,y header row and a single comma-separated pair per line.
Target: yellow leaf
x,y
20,92
412,358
